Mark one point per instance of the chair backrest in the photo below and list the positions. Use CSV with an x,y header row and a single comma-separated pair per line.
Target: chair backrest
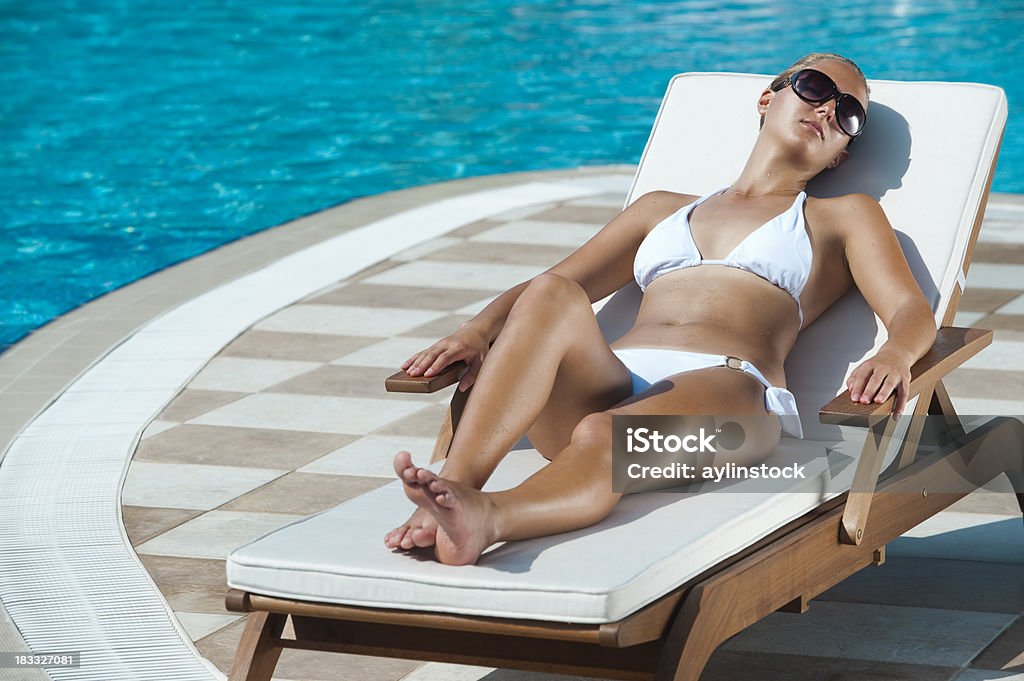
x,y
931,174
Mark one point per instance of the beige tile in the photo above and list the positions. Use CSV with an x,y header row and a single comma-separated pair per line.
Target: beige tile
x,y
585,214
220,649
1008,322
439,328
374,269
464,275
225,446
424,423
512,254
310,413
145,522
189,404
1006,653
351,381
985,299
999,253
294,346
391,295
1002,385
475,228
304,493
189,584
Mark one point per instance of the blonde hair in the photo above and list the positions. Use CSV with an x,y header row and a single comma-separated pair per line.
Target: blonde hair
x,y
782,80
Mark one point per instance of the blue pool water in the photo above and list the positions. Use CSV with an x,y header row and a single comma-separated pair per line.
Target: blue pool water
x,y
139,133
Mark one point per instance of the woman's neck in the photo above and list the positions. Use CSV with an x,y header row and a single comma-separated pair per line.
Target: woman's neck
x,y
767,172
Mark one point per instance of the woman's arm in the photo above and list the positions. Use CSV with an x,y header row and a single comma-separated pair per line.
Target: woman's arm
x,y
881,273
602,265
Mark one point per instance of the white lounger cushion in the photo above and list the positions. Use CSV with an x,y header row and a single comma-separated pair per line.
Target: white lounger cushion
x,y
654,542
650,544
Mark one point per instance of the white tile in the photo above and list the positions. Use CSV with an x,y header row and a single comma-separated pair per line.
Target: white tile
x,y
547,233
425,248
247,375
1002,355
1015,306
200,624
95,408
194,486
156,427
347,320
965,536
215,534
967,318
372,455
995,275
147,374
875,632
462,275
316,413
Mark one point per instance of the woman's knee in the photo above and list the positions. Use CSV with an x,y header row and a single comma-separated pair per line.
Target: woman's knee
x,y
593,435
554,292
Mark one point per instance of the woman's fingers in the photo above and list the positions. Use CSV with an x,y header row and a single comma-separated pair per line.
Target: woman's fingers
x,y
901,396
872,386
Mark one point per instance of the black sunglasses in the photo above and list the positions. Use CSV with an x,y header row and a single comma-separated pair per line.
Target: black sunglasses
x,y
814,87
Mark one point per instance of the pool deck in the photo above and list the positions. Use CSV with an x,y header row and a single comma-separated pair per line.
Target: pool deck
x,y
147,434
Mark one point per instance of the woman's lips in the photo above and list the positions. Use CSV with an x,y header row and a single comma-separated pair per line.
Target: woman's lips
x,y
815,127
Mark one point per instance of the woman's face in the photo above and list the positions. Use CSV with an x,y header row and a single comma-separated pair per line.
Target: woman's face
x,y
813,127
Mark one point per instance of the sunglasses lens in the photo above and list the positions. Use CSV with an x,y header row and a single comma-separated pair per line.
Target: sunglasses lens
x,y
813,86
850,115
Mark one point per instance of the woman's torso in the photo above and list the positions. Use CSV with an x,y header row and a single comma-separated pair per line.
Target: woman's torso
x,y
722,309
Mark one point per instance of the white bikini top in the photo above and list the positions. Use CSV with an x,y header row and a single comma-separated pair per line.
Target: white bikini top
x,y
778,251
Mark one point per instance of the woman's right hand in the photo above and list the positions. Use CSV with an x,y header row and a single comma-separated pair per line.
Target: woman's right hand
x,y
467,344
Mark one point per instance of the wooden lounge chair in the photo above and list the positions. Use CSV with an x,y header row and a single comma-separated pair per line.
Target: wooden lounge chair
x,y
662,617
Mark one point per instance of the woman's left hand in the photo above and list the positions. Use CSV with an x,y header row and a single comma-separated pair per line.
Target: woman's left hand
x,y
876,379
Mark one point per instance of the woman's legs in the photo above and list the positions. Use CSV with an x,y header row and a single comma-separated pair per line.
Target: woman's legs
x,y
549,357
575,489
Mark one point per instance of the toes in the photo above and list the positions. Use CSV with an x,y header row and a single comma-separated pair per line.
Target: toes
x,y
395,536
423,537
402,463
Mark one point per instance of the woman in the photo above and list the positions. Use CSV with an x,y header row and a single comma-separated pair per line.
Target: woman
x,y
735,274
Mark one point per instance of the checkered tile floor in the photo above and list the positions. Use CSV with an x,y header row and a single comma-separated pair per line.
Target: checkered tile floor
x,y
291,419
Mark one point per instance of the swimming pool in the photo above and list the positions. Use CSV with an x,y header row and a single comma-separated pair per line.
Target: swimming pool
x,y
137,135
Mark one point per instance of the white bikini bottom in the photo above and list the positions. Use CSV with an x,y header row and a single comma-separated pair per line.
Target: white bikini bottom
x,y
650,365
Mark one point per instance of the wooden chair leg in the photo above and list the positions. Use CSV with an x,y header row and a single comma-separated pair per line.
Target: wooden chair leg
x,y
696,632
258,651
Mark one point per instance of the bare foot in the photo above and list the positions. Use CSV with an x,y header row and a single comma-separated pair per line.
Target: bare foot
x,y
466,517
421,527
420,530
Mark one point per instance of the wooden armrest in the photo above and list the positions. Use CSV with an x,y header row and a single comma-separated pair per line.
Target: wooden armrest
x,y
402,382
953,346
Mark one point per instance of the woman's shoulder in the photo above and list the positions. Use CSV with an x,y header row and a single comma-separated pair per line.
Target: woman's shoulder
x,y
655,206
839,211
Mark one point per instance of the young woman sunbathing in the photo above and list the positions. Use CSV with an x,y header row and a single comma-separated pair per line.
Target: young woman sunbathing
x,y
729,280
